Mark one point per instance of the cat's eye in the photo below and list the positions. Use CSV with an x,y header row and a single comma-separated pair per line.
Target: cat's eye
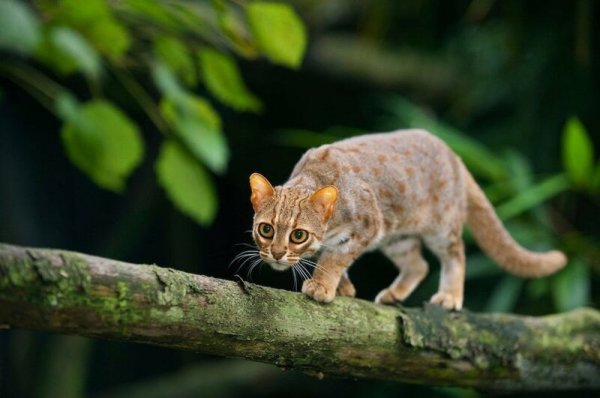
x,y
299,236
266,230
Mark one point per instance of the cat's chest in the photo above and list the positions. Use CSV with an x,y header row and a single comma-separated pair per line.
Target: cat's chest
x,y
344,237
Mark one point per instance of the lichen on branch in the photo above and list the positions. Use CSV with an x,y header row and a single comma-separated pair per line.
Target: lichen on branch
x,y
67,292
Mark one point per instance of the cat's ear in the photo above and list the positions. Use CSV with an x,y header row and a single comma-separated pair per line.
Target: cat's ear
x,y
324,201
262,190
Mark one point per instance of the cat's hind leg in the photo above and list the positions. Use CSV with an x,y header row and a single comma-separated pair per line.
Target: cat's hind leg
x,y
345,287
406,255
450,250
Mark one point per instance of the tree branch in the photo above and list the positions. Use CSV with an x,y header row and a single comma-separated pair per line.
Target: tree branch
x,y
66,292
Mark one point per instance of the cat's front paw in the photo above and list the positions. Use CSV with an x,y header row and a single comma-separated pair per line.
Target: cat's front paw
x,y
318,291
447,300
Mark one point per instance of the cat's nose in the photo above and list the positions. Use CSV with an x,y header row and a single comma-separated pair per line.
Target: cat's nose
x,y
277,254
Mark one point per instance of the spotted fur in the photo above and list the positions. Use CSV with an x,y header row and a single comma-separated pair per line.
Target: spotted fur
x,y
391,192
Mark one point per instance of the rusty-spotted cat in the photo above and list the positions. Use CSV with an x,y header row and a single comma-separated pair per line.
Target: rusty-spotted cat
x,y
392,192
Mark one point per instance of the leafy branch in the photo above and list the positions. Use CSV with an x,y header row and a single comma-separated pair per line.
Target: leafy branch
x,y
180,46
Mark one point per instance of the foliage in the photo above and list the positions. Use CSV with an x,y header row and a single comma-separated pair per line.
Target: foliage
x,y
102,142
180,46
578,155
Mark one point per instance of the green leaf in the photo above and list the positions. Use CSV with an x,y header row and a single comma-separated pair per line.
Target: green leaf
x,y
19,27
571,286
519,169
68,51
103,142
278,31
155,12
110,37
74,13
165,80
235,28
533,196
187,184
173,53
222,77
96,22
577,152
199,127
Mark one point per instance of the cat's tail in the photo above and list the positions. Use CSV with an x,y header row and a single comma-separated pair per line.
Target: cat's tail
x,y
494,239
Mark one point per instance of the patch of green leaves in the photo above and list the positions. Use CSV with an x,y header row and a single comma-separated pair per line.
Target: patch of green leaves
x,y
67,51
102,142
278,31
199,127
223,79
193,119
174,53
233,25
96,22
187,184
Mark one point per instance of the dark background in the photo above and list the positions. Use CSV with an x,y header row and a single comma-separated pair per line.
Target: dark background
x,y
507,73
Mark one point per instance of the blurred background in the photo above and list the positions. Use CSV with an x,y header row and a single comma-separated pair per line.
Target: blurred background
x,y
128,129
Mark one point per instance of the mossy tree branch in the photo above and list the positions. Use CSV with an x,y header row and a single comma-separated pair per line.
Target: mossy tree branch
x,y
66,292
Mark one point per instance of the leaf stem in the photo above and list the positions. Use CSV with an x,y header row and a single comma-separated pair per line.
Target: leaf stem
x,y
135,89
40,87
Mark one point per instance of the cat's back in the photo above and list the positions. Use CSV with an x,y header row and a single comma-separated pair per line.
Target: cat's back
x,y
395,144
378,151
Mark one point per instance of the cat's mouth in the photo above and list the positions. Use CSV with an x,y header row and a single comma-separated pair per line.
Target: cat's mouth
x,y
279,265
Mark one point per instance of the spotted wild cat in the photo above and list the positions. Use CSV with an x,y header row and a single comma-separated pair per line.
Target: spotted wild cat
x,y
391,192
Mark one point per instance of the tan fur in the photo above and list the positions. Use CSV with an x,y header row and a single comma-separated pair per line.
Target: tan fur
x,y
391,192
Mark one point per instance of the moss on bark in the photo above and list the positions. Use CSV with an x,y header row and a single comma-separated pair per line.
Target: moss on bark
x,y
68,292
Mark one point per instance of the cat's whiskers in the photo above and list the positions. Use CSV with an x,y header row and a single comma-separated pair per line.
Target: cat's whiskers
x,y
244,256
295,279
312,264
302,270
252,257
246,245
252,267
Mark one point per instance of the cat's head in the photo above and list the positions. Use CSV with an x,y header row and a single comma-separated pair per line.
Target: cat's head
x,y
289,223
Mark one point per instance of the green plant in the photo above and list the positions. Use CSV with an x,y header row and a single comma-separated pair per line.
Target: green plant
x,y
179,45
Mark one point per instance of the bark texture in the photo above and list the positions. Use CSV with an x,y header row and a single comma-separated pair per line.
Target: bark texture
x,y
67,292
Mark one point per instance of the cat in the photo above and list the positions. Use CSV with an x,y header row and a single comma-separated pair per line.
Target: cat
x,y
387,191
